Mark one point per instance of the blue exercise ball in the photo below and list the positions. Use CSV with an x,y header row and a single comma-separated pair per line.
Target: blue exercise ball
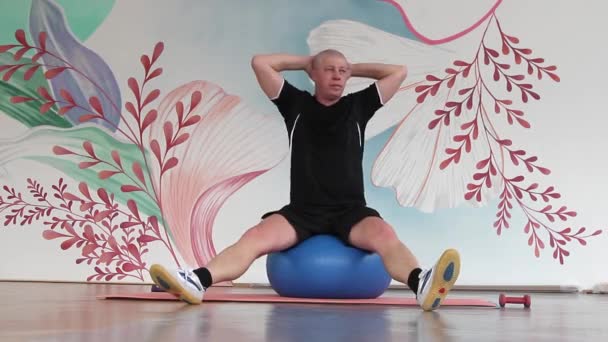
x,y
324,267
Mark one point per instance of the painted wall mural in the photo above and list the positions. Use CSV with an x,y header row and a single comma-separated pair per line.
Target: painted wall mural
x,y
149,166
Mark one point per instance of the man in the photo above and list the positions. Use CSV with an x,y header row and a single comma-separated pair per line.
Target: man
x,y
326,136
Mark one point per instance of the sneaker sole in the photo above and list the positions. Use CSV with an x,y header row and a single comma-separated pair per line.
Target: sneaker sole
x,y
167,282
446,272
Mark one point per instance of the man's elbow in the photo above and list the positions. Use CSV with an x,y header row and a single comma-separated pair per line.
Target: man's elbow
x,y
402,72
262,62
256,61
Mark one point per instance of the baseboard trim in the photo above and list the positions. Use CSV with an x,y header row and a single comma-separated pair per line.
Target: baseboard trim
x,y
476,288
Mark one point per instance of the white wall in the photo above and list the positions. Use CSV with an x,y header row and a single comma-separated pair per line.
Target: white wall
x,y
566,135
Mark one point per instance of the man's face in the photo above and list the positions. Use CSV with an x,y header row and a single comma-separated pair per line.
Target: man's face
x,y
330,75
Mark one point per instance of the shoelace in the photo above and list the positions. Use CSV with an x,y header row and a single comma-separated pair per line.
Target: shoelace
x,y
191,280
423,278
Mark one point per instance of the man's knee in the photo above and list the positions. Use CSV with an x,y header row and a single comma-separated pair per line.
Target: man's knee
x,y
252,242
274,233
256,236
252,235
376,231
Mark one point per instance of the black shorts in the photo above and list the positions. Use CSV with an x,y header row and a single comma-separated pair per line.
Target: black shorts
x,y
337,221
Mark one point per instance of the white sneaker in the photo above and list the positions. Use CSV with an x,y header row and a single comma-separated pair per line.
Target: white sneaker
x,y
435,283
184,284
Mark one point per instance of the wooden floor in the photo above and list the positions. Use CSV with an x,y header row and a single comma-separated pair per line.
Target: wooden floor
x,y
71,312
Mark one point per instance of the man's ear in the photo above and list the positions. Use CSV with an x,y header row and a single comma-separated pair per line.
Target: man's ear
x,y
312,75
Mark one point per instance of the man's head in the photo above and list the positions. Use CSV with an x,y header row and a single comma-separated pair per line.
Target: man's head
x,y
329,70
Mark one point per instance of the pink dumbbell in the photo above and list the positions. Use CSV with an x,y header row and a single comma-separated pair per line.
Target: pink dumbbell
x,y
525,300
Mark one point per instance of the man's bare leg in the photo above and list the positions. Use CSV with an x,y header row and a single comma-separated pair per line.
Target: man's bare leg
x,y
272,234
431,286
375,235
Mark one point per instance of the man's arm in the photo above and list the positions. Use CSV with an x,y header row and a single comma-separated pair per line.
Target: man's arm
x,y
267,69
389,76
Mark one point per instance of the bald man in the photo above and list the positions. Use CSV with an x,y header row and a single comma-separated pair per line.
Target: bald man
x,y
326,135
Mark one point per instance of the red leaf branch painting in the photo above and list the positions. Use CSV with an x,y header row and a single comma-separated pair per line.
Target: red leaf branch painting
x,y
111,239
475,108
157,166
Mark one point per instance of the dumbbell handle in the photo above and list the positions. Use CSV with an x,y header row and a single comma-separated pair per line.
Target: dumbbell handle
x,y
525,300
517,300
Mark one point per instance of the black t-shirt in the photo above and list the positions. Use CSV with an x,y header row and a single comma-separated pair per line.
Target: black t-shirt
x,y
326,144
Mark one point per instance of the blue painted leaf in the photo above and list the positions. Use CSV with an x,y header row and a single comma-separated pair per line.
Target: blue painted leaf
x,y
88,75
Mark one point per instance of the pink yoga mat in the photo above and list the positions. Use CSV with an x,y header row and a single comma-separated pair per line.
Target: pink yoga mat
x,y
225,296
